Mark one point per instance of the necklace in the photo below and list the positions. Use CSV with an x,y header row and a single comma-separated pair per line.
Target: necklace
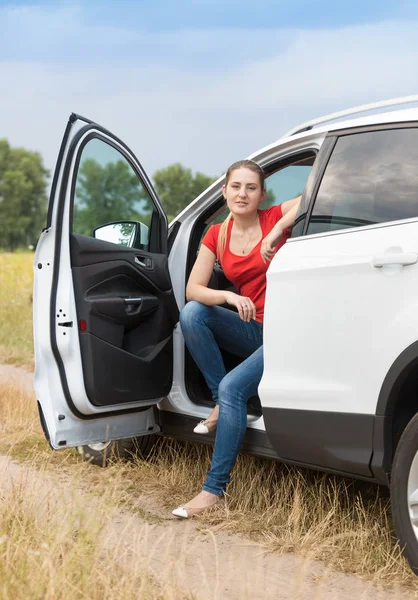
x,y
251,236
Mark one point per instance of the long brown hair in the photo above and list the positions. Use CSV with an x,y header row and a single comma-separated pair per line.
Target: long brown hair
x,y
241,164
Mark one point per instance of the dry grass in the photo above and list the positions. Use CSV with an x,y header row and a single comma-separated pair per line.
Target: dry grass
x,y
56,538
16,277
48,554
344,523
21,434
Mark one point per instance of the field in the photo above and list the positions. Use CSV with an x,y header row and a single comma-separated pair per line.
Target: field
x,y
344,524
16,277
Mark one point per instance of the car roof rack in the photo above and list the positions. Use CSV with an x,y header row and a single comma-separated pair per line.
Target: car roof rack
x,y
351,111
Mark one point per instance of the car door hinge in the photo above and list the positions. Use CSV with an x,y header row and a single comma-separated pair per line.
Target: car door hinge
x,y
66,324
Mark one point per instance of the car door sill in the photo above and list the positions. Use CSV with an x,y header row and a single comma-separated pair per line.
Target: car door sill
x,y
181,426
256,443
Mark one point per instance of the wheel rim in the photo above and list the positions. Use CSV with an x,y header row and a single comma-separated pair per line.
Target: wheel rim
x,y
99,446
412,495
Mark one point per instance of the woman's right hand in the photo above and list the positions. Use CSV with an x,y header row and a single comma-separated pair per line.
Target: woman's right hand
x,y
245,306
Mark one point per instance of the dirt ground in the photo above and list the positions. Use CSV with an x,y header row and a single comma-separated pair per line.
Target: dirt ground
x,y
204,563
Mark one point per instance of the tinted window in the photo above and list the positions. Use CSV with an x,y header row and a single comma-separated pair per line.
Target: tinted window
x,y
370,178
109,190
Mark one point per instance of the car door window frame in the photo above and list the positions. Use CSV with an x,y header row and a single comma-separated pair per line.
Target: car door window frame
x,y
157,240
319,169
312,185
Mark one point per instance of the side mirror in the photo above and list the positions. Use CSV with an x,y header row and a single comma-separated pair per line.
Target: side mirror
x,y
131,234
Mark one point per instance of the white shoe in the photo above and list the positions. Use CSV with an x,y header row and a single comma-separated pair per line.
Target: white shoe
x,y
205,427
185,512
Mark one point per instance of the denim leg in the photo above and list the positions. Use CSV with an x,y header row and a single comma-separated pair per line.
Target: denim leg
x,y
206,329
235,389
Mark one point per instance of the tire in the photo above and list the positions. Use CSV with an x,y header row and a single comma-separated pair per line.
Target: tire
x,y
404,493
101,454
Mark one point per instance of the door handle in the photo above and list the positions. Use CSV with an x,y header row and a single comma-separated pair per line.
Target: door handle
x,y
144,261
144,303
138,300
396,258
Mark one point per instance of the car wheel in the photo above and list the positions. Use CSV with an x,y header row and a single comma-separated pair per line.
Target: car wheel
x,y
102,453
404,493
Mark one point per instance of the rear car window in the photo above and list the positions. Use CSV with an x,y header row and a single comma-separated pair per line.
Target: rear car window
x,y
371,178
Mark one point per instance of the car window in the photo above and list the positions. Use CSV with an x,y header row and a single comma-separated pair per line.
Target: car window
x,y
371,178
287,183
108,190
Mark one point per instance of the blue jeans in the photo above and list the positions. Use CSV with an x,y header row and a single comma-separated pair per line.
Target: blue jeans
x,y
206,329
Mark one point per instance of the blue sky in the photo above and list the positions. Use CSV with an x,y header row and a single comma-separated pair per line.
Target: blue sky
x,y
169,15
200,82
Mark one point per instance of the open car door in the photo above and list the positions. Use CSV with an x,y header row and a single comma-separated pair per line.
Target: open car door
x,y
104,309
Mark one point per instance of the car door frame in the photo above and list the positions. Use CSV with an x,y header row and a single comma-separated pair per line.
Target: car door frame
x,y
49,253
178,408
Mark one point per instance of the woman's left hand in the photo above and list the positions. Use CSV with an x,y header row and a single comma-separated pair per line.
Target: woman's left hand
x,y
269,243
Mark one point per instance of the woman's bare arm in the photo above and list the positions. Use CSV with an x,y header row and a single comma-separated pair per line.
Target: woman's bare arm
x,y
289,212
289,205
197,287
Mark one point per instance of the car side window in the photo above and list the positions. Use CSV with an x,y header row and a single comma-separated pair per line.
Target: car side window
x,y
108,192
288,182
371,178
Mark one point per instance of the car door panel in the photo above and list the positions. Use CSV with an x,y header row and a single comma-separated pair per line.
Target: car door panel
x,y
86,250
129,313
343,301
104,313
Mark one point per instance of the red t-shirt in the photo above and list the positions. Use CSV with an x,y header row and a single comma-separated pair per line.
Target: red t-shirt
x,y
248,273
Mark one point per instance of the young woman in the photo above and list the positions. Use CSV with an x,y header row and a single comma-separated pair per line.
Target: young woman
x,y
244,244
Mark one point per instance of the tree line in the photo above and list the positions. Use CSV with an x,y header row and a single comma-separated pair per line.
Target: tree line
x,y
105,192
24,184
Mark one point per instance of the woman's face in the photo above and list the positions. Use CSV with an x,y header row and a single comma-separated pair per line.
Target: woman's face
x,y
243,192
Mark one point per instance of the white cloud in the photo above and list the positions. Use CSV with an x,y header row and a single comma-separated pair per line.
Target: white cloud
x,y
237,90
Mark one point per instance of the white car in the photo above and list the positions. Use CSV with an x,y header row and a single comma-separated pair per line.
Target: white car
x,y
340,386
